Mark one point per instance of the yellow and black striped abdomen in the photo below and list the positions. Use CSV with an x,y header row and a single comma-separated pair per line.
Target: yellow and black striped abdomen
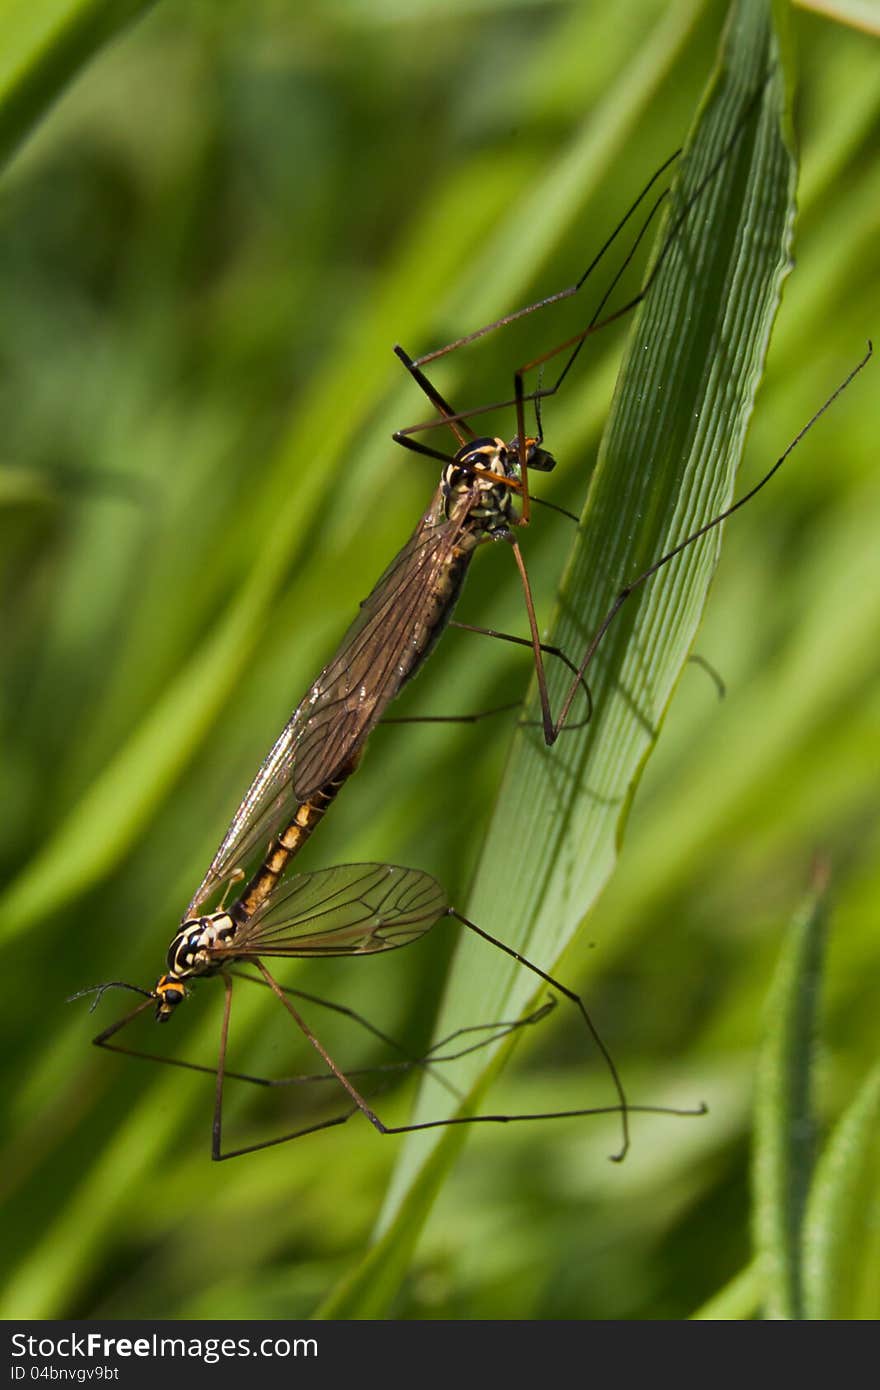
x,y
288,843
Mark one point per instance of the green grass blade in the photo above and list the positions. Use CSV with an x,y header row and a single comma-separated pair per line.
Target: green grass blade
x,y
667,465
43,45
841,1234
739,1299
784,1126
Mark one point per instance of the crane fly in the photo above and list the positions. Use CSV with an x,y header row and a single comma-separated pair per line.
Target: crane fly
x,y
347,910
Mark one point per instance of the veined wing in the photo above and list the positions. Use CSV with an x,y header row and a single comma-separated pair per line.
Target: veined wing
x,y
266,807
350,909
384,644
391,636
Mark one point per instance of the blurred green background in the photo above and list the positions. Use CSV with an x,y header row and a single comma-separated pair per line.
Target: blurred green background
x,y
207,251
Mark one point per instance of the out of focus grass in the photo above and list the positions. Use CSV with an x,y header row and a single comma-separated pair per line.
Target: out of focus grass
x,y
208,248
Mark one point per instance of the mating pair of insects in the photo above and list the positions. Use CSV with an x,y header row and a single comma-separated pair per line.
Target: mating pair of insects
x,y
364,909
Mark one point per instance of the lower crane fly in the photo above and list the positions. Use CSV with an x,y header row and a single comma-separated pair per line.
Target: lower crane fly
x,y
350,909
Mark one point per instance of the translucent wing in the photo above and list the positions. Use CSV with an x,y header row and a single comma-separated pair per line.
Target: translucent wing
x,y
390,638
265,808
351,909
385,644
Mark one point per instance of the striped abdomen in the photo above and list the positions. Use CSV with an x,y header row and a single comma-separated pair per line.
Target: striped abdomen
x,y
287,843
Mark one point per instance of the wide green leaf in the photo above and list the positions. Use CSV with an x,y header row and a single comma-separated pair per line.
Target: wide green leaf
x,y
667,466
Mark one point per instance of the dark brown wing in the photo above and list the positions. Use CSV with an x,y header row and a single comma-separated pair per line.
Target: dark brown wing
x,y
351,909
391,636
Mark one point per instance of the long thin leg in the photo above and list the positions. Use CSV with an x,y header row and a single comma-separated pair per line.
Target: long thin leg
x,y
579,1004
495,1031
419,447
540,674
459,420
597,322
553,727
546,648
574,345
103,1040
452,718
361,1104
460,428
319,1048
572,290
455,422
407,1063
711,671
217,1128
344,1011
503,1029
499,1031
566,293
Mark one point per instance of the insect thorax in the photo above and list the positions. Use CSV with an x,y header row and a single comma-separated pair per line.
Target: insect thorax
x,y
194,949
491,505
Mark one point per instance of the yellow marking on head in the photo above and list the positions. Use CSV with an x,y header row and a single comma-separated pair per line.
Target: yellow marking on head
x,y
169,984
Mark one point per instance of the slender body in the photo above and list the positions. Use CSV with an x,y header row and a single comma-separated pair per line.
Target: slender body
x,y
361,909
203,944
351,909
393,634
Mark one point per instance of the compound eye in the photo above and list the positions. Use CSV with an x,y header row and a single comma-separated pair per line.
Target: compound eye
x,y
169,994
477,453
169,990
539,459
480,460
